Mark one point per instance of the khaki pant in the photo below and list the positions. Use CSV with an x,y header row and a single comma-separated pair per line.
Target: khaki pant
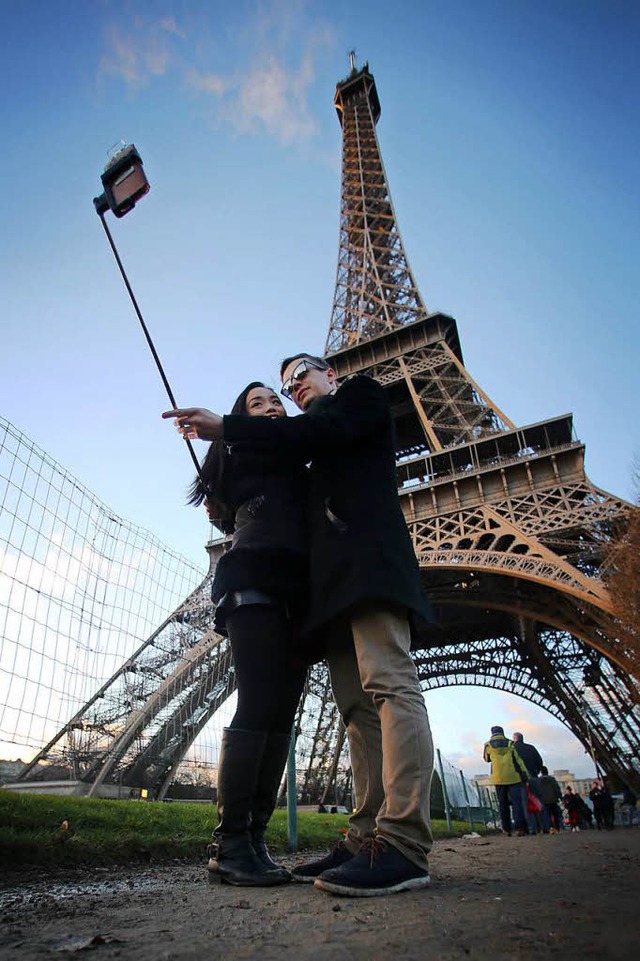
x,y
377,691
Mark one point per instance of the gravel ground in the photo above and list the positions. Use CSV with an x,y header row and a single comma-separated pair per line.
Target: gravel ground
x,y
574,896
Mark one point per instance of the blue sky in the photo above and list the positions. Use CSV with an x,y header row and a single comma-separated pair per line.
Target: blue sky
x,y
509,132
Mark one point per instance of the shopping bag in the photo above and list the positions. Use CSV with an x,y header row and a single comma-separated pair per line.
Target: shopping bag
x,y
534,804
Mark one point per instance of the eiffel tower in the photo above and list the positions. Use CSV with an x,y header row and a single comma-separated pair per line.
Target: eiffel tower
x,y
510,534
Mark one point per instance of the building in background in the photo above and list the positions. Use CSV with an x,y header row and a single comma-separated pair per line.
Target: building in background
x,y
579,785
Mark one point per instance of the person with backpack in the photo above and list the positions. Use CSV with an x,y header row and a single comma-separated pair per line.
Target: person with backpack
x,y
508,773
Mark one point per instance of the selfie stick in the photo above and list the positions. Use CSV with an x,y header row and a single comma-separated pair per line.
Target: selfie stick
x,y
124,183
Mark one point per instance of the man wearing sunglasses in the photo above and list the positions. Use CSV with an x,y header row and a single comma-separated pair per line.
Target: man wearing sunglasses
x,y
365,590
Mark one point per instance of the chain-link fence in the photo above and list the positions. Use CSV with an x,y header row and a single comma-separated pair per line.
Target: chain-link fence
x,y
80,590
463,799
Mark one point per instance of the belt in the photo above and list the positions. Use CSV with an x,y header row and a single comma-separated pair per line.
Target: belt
x,y
233,599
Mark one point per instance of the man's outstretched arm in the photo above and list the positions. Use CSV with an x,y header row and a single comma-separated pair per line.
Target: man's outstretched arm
x,y
196,423
359,409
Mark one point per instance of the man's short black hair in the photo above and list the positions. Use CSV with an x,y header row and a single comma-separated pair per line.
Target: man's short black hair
x,y
319,361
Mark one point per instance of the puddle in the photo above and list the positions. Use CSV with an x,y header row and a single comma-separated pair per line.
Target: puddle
x,y
101,883
49,892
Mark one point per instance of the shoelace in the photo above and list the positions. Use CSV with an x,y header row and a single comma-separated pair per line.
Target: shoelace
x,y
374,847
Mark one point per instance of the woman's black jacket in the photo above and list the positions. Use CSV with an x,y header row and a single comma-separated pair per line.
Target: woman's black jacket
x,y
269,548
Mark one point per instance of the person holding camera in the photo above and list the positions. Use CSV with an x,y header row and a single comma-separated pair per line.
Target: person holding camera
x,y
260,590
365,593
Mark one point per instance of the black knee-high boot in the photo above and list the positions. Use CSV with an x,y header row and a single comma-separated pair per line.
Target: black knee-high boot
x,y
265,798
231,854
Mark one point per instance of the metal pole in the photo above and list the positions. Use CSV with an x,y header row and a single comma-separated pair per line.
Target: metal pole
x,y
147,335
491,795
445,796
333,770
466,797
591,751
493,801
292,794
584,705
483,805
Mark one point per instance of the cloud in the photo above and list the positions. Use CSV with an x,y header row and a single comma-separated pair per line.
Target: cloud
x,y
211,83
258,79
169,24
274,98
267,98
122,59
471,761
141,51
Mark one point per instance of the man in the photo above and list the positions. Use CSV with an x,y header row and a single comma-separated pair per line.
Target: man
x,y
628,804
595,796
529,754
508,771
572,807
603,805
365,587
533,762
551,794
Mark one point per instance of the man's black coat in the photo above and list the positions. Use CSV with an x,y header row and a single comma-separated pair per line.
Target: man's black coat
x,y
530,756
359,543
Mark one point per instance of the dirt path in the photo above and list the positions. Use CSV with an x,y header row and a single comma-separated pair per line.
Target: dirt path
x,y
574,896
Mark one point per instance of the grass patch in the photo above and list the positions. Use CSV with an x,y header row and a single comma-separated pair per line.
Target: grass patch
x,y
106,832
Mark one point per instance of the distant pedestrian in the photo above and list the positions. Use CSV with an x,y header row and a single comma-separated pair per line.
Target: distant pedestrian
x,y
508,772
571,804
595,796
531,757
551,794
585,813
603,806
608,807
529,754
629,804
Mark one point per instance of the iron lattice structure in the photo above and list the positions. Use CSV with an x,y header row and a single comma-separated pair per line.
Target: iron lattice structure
x,y
509,532
135,731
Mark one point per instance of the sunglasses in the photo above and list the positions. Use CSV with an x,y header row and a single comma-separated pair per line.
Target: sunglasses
x,y
298,374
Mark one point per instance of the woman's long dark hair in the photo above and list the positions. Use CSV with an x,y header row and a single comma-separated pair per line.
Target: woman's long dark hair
x,y
212,468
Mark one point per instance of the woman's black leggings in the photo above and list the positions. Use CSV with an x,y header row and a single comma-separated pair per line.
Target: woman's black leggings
x,y
270,674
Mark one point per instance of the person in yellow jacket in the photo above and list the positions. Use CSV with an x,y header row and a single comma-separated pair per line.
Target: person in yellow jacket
x,y
508,773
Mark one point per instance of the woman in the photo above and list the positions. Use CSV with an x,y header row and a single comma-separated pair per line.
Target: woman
x,y
259,589
572,806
